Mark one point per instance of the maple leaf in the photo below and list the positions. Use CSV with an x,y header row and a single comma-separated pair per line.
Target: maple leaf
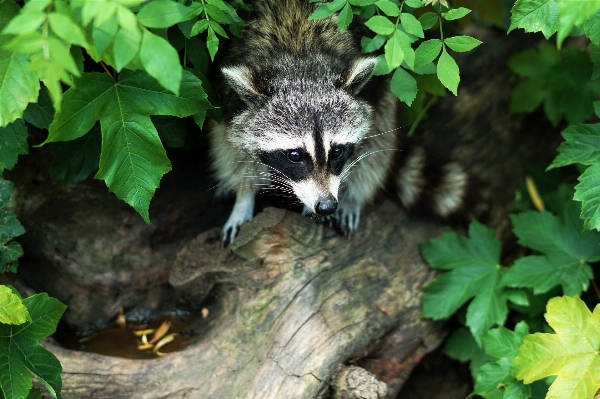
x,y
475,274
571,354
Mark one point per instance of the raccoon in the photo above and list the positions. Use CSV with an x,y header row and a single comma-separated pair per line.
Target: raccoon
x,y
303,112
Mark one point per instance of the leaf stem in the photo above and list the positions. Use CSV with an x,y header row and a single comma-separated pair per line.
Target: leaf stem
x,y
421,115
595,287
106,69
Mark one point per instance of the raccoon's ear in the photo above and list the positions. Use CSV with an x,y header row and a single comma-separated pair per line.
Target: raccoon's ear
x,y
240,79
359,73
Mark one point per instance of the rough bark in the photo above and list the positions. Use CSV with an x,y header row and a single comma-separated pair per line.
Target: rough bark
x,y
296,300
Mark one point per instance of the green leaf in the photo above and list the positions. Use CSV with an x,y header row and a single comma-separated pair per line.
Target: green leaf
x,y
13,142
75,160
24,23
587,191
581,145
404,86
388,7
126,46
406,45
462,346
212,43
535,16
382,67
12,311
66,29
475,273
161,61
414,3
162,14
18,84
533,63
327,9
456,13
394,54
502,344
428,20
567,251
104,35
23,355
218,29
571,354
132,160
527,95
370,45
462,43
344,18
411,25
592,28
381,25
427,52
447,72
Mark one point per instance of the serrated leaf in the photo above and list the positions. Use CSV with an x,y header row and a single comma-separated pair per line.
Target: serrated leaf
x,y
327,9
394,54
18,85
527,95
502,344
13,142
126,46
475,274
592,28
588,192
75,160
581,145
388,7
411,25
23,355
462,43
344,18
132,160
162,14
535,16
456,13
571,354
447,72
414,3
427,52
428,20
567,251
12,310
218,29
24,23
404,86
381,25
124,107
161,61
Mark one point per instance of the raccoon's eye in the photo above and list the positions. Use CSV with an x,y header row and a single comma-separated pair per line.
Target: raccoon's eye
x,y
295,156
336,152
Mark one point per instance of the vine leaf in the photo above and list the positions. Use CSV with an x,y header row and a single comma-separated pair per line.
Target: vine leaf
x,y
18,84
13,142
475,273
571,354
535,16
22,354
447,72
12,310
502,344
581,146
132,169
566,251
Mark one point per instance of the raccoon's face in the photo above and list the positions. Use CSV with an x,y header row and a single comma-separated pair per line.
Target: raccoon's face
x,y
303,128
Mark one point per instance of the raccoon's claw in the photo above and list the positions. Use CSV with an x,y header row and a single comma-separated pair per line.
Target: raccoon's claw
x,y
242,212
348,217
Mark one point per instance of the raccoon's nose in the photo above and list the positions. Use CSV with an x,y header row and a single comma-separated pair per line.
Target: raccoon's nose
x,y
326,206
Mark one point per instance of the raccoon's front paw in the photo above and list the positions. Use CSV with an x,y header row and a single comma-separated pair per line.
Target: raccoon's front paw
x,y
232,226
347,216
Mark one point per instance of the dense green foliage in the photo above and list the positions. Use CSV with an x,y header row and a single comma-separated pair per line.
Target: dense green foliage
x,y
561,245
133,68
23,322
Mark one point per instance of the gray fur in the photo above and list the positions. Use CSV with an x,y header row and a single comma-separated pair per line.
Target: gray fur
x,y
291,83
